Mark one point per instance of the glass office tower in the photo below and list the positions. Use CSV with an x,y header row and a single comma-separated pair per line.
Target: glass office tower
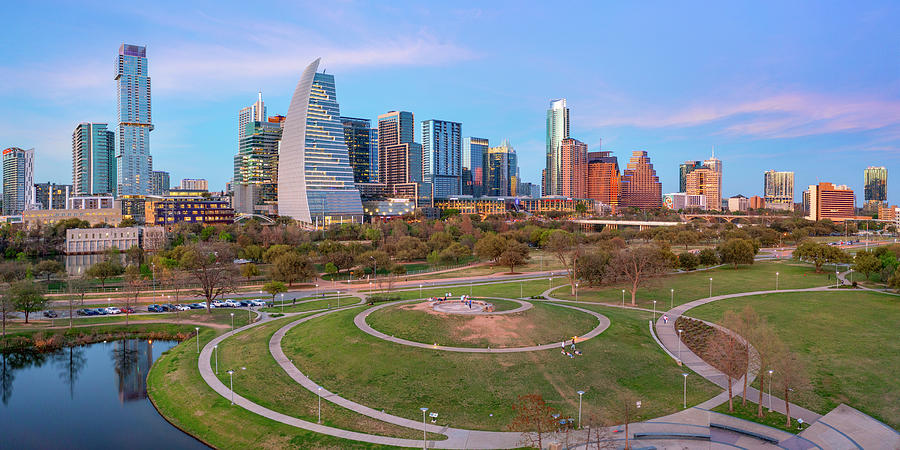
x,y
133,161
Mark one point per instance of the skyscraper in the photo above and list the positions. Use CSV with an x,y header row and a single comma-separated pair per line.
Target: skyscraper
x,y
255,177
133,90
18,180
315,180
373,155
640,187
715,164
557,130
827,201
778,188
501,170
441,153
160,182
51,195
573,156
194,184
706,182
253,113
603,177
474,150
358,135
875,189
399,157
93,159
683,170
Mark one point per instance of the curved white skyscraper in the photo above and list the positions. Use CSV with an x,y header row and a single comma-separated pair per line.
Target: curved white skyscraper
x,y
315,180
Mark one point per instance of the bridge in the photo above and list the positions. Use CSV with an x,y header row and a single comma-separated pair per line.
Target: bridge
x,y
264,219
614,224
712,218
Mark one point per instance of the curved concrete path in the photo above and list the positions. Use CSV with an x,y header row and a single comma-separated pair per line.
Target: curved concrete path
x,y
360,322
523,306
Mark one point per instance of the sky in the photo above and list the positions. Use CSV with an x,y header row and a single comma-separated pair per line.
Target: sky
x,y
806,86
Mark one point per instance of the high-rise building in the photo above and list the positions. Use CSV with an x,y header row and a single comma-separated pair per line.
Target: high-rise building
x,y
683,170
51,195
395,131
253,113
603,178
315,180
640,187
573,157
875,190
194,184
708,183
778,188
373,155
441,154
255,175
358,137
160,182
93,159
133,163
715,164
474,150
557,130
501,170
18,180
827,201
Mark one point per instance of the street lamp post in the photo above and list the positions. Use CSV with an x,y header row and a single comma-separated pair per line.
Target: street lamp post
x,y
550,282
232,323
521,292
424,433
836,281
770,389
654,310
672,303
198,338
470,288
710,286
319,391
282,302
576,292
216,352
684,392
339,298
679,343
623,298
776,281
231,377
420,291
580,393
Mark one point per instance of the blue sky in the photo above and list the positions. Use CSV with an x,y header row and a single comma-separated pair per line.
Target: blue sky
x,y
812,87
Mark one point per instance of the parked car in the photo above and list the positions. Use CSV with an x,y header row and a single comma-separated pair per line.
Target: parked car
x,y
246,303
50,313
100,311
218,304
232,304
196,306
113,310
182,307
168,307
154,308
128,310
82,312
258,302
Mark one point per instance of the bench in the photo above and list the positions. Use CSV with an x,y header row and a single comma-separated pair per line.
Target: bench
x,y
645,435
759,436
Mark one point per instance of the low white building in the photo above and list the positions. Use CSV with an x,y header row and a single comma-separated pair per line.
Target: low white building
x,y
99,240
682,201
738,203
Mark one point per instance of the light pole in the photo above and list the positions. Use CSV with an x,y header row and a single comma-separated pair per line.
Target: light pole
x,y
776,281
679,343
521,294
231,377
580,393
282,302
710,286
317,290
424,433
339,298
550,282
374,268
623,298
232,323
420,291
770,389
470,288
198,338
216,352
319,391
576,292
684,392
654,310
248,314
836,281
672,303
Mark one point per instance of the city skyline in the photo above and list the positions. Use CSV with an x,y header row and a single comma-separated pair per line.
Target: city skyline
x,y
767,115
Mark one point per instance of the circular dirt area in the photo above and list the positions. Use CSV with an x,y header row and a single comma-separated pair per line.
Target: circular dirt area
x,y
458,307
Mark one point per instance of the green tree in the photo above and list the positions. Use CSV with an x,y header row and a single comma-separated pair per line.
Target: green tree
x,y
685,238
291,267
820,254
48,267
490,246
26,296
274,288
688,261
455,252
331,269
249,270
104,270
866,263
737,251
708,257
515,254
341,259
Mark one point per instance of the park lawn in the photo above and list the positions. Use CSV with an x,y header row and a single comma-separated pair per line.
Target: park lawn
x,y
691,286
216,315
773,419
260,379
847,338
477,390
312,304
185,400
511,289
542,324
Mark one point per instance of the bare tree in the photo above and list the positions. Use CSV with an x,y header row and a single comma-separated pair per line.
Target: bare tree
x,y
6,309
745,324
534,419
564,246
635,265
211,265
769,349
728,355
791,378
134,285
625,410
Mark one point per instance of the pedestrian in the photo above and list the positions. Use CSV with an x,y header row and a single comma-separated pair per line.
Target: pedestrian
x,y
665,319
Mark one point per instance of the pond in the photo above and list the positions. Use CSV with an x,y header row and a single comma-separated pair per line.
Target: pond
x,y
92,396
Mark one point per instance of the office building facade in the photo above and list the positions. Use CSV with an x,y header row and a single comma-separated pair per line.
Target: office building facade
x,y
441,156
315,180
640,186
194,184
253,113
557,130
501,170
255,177
603,178
829,201
18,180
573,157
93,159
358,137
160,182
474,150
683,170
133,161
51,195
778,188
395,131
875,187
708,183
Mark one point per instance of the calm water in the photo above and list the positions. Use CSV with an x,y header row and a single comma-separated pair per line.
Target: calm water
x,y
92,396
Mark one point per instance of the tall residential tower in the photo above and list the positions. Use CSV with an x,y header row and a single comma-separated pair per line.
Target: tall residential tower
x,y
441,153
93,159
875,189
18,180
133,160
557,130
778,189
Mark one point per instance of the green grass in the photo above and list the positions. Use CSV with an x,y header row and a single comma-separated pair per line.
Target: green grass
x,y
695,285
312,305
477,390
264,382
848,340
504,290
773,419
542,324
184,399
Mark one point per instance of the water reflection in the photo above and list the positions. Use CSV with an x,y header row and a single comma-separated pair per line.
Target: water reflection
x,y
71,361
132,360
77,265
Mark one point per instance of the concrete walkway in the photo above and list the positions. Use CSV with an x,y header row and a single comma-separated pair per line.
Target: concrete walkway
x,y
360,322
